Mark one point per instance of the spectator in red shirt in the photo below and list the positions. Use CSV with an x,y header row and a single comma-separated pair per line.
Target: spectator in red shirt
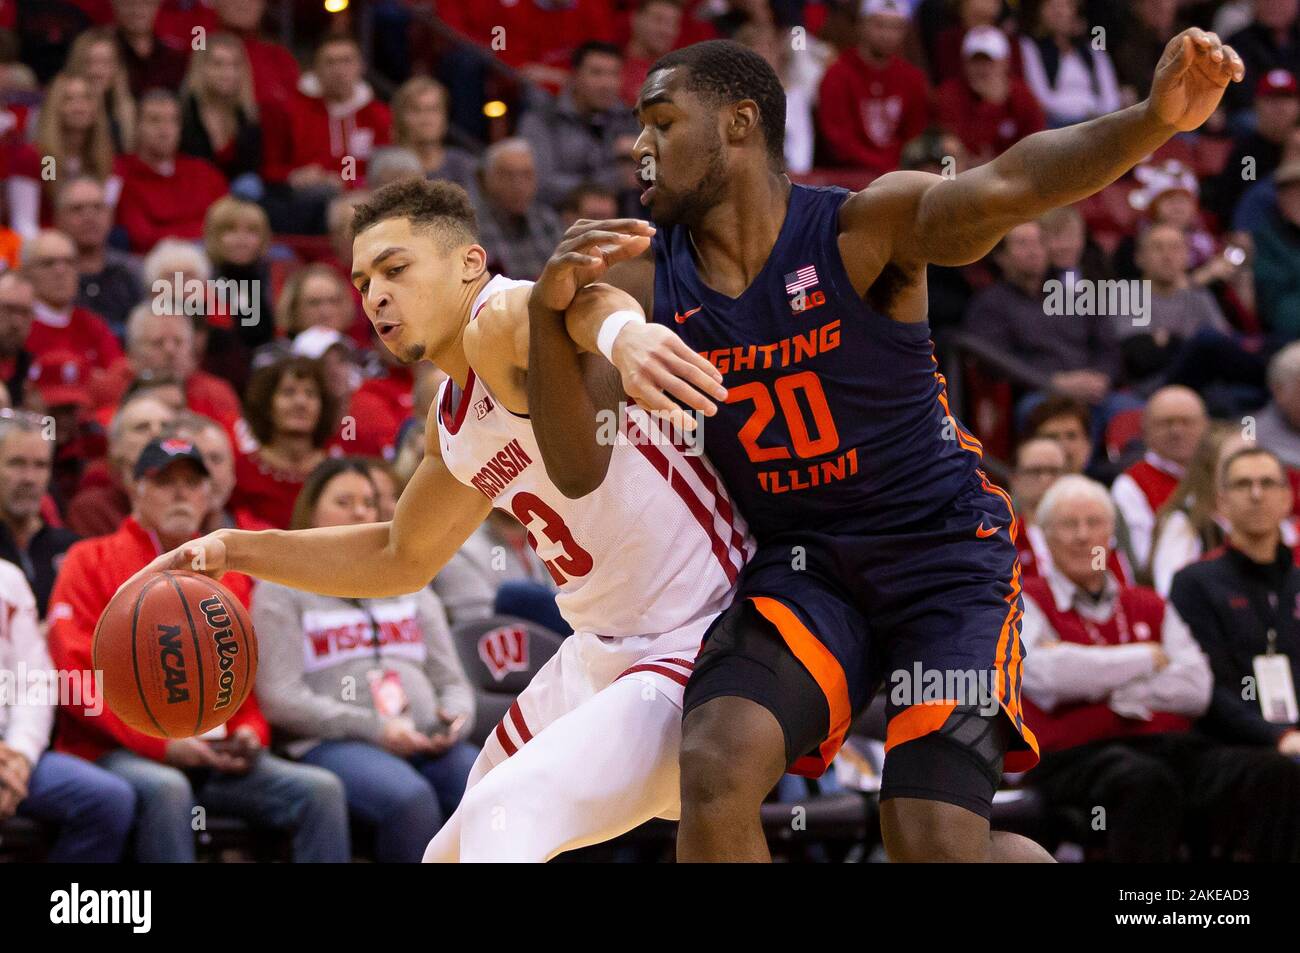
x,y
540,35
149,61
72,138
164,194
655,28
51,262
872,101
275,71
173,494
161,345
335,123
974,14
986,107
289,416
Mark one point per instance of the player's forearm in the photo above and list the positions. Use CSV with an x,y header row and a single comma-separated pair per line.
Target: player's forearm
x,y
1061,166
564,415
357,562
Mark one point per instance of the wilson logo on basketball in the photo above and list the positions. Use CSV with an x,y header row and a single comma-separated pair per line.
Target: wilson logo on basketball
x,y
227,648
503,651
172,660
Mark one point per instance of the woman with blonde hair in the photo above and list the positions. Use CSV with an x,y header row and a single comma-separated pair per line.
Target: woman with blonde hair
x,y
420,124
236,235
72,139
94,56
219,119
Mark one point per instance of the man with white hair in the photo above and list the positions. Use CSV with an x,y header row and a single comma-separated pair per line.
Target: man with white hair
x,y
160,344
1113,681
50,261
1277,426
518,232
1173,422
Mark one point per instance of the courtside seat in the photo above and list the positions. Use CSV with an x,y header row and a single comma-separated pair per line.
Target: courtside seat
x,y
500,654
23,839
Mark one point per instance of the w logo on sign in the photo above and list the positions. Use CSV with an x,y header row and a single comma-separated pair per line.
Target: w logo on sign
x,y
504,650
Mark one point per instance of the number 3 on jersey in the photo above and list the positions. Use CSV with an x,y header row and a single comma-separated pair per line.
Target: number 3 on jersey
x,y
787,389
574,561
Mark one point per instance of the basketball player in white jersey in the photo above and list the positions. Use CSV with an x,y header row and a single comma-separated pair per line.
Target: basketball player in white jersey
x,y
643,564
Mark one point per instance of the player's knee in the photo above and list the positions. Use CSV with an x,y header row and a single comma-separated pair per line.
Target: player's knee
x,y
921,831
732,751
498,804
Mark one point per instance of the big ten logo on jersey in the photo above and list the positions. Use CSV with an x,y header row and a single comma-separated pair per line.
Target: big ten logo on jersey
x,y
801,285
504,650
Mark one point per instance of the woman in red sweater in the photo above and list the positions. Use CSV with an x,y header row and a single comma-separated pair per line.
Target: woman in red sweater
x,y
289,415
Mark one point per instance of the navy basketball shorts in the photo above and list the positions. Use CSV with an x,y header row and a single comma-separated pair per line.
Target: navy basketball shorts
x,y
930,615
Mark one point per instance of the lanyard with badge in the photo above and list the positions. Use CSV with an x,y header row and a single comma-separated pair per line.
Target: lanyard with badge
x,y
1121,623
386,689
1277,701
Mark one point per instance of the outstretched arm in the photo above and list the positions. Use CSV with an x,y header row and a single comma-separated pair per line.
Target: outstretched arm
x,y
956,221
435,515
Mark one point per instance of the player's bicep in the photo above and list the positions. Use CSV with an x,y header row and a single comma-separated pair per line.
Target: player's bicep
x,y
435,514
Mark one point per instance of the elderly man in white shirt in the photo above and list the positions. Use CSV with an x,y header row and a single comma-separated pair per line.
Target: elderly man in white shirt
x,y
1113,681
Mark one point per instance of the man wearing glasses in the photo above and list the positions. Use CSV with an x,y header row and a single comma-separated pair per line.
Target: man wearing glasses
x,y
1242,604
17,302
50,260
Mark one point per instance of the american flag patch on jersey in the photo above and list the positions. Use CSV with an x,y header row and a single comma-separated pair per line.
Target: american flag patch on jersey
x,y
800,280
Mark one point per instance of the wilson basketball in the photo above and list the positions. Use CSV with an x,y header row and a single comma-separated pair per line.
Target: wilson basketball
x,y
178,654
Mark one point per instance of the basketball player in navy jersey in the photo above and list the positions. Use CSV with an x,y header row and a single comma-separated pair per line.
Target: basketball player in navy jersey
x,y
794,318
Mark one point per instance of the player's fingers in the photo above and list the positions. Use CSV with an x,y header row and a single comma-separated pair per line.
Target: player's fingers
x,y
696,376
649,397
673,385
682,351
1236,63
634,226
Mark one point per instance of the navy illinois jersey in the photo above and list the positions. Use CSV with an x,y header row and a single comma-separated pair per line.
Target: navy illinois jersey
x,y
836,416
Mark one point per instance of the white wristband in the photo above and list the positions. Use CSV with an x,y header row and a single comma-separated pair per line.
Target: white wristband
x,y
609,331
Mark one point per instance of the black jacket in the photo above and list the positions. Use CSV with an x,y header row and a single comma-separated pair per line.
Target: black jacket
x,y
247,155
40,563
1230,602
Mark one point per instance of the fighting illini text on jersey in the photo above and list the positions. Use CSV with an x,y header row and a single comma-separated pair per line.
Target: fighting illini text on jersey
x,y
656,546
836,416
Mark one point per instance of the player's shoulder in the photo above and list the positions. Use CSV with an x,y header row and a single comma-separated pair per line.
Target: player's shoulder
x,y
891,197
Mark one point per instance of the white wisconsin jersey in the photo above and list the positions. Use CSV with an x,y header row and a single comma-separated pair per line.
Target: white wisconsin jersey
x,y
656,546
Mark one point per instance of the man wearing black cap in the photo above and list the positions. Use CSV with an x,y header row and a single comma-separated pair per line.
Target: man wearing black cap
x,y
227,775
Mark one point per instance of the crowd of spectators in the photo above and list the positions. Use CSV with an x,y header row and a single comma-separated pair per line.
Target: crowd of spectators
x,y
181,349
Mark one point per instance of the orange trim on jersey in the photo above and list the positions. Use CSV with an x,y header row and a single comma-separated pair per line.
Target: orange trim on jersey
x,y
919,720
821,665
916,721
965,439
993,488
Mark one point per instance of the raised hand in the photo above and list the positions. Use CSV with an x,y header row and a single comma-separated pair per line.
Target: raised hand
x,y
1190,78
586,252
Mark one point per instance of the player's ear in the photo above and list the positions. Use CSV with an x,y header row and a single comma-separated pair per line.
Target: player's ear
x,y
473,262
744,121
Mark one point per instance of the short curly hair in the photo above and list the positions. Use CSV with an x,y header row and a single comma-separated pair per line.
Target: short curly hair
x,y
443,206
724,72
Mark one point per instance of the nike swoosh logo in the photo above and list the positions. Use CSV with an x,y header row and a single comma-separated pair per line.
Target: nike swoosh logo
x,y
984,532
681,318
